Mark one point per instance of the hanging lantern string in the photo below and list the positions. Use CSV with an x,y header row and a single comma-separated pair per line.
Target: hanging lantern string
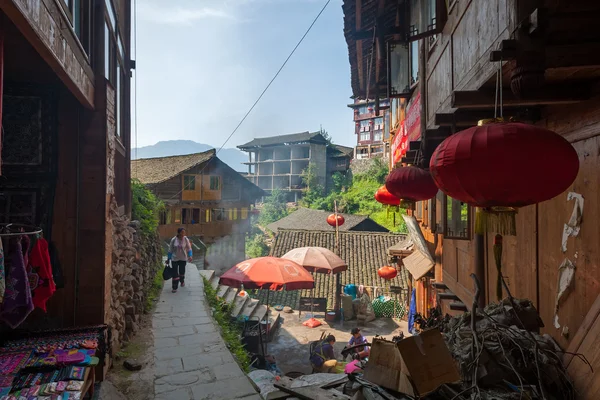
x,y
499,85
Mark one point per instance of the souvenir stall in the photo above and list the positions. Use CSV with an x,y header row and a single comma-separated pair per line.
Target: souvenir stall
x,y
57,364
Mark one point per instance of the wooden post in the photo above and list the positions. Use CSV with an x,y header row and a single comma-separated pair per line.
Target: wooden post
x,y
336,306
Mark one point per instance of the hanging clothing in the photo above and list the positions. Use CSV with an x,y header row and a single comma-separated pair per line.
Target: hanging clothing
x,y
17,296
57,273
2,274
412,311
39,273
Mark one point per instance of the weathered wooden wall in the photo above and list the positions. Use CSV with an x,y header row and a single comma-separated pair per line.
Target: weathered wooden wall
x,y
459,59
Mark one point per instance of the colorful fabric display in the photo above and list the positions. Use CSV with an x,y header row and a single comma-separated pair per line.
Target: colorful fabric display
x,y
40,277
17,297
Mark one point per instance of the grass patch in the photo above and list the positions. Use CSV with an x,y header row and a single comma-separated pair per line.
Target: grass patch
x,y
230,330
155,290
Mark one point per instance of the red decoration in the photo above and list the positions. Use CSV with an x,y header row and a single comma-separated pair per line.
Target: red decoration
x,y
387,272
504,165
331,220
411,183
383,196
370,108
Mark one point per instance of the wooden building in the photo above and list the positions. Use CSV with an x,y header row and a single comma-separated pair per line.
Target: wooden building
x,y
65,88
205,196
545,55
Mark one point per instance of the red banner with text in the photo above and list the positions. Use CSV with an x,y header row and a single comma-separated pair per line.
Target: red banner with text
x,y
413,119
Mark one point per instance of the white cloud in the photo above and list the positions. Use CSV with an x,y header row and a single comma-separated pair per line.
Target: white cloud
x,y
179,15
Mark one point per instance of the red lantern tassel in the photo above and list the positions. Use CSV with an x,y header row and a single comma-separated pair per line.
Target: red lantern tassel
x,y
500,220
498,259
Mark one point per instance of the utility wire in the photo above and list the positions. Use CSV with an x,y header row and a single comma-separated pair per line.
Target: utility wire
x,y
135,80
263,92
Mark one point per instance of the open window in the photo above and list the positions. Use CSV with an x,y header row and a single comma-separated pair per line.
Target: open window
x,y
457,220
426,18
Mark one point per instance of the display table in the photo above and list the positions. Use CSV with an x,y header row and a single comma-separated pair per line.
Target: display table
x,y
51,365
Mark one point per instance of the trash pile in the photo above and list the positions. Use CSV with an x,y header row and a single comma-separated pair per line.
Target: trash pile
x,y
506,356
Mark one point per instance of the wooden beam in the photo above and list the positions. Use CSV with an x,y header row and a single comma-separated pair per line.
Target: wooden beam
x,y
439,133
448,296
479,99
440,285
573,55
466,118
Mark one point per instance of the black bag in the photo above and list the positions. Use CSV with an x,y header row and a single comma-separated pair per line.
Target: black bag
x,y
167,272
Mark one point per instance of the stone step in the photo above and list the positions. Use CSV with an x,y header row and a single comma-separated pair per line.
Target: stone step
x,y
207,274
249,307
223,290
259,313
214,282
231,295
240,303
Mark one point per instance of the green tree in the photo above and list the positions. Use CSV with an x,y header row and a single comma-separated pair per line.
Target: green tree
x,y
145,207
274,208
314,190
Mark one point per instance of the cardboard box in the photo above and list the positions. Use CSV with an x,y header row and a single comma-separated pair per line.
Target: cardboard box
x,y
416,366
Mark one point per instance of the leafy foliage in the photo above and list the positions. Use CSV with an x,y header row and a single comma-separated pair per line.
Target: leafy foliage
x,y
274,208
354,195
255,242
145,207
231,331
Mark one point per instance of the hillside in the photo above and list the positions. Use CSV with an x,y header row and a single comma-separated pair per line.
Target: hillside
x,y
232,157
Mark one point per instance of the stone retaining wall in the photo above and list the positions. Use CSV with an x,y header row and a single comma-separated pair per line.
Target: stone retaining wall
x,y
135,261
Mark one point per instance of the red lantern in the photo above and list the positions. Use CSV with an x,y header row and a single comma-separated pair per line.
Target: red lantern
x,y
387,272
504,165
331,220
383,196
411,184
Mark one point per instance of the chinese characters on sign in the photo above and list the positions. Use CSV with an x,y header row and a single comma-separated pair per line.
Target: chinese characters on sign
x,y
409,131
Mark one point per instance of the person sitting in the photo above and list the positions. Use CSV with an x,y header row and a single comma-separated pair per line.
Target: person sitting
x,y
356,339
322,358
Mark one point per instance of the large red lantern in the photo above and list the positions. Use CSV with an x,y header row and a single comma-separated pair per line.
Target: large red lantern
x,y
503,165
387,272
332,218
383,196
411,184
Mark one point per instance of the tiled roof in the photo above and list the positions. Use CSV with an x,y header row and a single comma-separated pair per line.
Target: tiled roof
x,y
160,169
342,151
316,220
284,139
364,252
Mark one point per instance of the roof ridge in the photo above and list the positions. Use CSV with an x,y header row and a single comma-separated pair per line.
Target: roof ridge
x,y
213,150
280,230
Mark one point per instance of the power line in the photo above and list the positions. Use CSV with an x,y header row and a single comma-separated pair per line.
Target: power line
x,y
263,92
135,121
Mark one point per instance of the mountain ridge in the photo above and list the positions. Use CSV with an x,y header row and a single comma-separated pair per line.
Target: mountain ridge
x,y
166,148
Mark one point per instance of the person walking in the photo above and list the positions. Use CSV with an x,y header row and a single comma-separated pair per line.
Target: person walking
x,y
180,253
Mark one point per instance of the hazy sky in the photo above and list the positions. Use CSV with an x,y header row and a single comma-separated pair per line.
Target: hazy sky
x,y
201,64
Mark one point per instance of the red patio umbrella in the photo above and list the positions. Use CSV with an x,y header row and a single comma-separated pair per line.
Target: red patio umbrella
x,y
269,273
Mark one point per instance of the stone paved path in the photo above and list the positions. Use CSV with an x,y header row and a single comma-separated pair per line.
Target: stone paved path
x,y
191,359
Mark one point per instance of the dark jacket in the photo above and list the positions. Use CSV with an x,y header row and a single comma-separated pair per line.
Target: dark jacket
x,y
322,352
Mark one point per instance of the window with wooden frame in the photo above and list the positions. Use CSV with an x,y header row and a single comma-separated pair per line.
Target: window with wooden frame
x,y
195,215
79,14
178,215
115,64
219,214
215,182
189,182
457,219
426,18
186,216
